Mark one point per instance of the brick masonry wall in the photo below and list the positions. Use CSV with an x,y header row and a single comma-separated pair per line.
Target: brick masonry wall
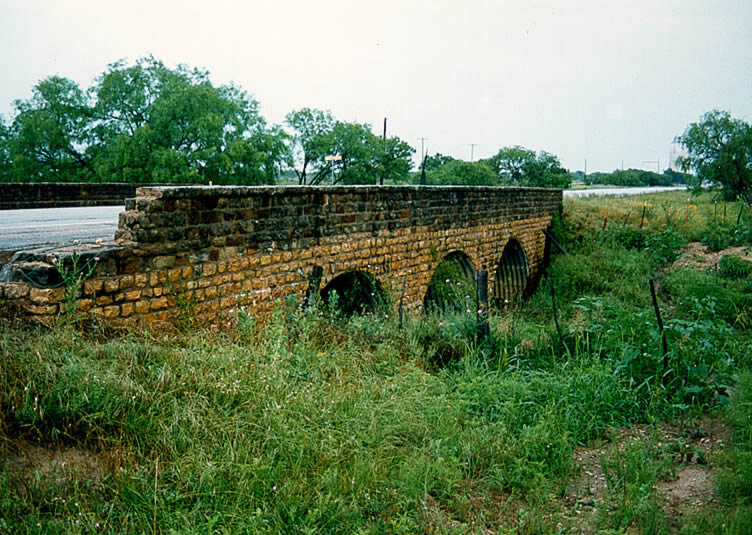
x,y
14,196
195,254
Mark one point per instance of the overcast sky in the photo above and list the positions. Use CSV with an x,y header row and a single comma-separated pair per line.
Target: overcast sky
x,y
603,81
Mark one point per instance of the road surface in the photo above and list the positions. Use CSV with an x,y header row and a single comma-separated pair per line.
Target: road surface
x,y
21,229
618,192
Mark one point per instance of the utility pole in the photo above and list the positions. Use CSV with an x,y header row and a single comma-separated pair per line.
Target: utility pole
x,y
472,150
422,142
381,181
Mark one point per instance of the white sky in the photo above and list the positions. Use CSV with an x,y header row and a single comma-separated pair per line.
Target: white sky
x,y
599,80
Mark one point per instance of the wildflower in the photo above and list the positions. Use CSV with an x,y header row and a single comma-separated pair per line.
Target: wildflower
x,y
447,281
441,324
54,261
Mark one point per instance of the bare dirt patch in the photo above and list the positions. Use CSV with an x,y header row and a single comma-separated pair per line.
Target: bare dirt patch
x,y
699,256
56,466
689,490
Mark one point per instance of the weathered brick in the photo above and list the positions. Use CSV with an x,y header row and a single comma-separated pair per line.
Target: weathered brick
x,y
141,307
40,310
111,286
46,295
158,304
132,295
92,286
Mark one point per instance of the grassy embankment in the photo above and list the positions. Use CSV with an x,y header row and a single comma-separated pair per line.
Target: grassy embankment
x,y
319,424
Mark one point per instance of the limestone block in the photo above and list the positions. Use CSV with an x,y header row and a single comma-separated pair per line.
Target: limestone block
x,y
92,286
40,310
47,295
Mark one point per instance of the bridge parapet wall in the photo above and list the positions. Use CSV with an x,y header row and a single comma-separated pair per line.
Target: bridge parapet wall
x,y
15,196
200,253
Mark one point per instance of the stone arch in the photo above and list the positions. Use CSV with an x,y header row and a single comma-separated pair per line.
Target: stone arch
x,y
452,286
357,292
512,273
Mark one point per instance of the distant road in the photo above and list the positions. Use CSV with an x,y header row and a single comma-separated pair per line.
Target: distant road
x,y
21,229
599,192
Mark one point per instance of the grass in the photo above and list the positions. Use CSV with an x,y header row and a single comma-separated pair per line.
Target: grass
x,y
315,423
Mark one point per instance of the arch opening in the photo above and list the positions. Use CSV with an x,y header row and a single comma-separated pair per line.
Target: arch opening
x,y
353,292
512,273
452,287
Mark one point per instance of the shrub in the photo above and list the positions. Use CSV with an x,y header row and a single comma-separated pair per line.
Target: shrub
x,y
734,267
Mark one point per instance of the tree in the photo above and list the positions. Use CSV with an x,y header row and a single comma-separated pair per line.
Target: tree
x,y
366,158
394,160
142,123
6,163
522,167
310,139
459,172
49,136
160,125
436,161
511,163
720,152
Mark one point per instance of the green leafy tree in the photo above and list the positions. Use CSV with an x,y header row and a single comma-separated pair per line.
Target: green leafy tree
x,y
459,172
49,135
311,139
436,161
6,163
720,152
354,142
394,160
366,158
142,123
522,167
161,125
511,163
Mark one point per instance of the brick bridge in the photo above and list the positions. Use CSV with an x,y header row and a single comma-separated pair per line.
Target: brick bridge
x,y
199,253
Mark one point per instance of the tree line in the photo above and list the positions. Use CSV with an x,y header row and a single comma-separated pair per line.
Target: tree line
x,y
636,177
147,123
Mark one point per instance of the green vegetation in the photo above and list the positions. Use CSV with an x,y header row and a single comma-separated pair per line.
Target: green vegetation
x,y
720,152
637,177
511,166
316,423
147,123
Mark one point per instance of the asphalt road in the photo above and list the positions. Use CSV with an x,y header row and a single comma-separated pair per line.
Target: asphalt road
x,y
23,229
